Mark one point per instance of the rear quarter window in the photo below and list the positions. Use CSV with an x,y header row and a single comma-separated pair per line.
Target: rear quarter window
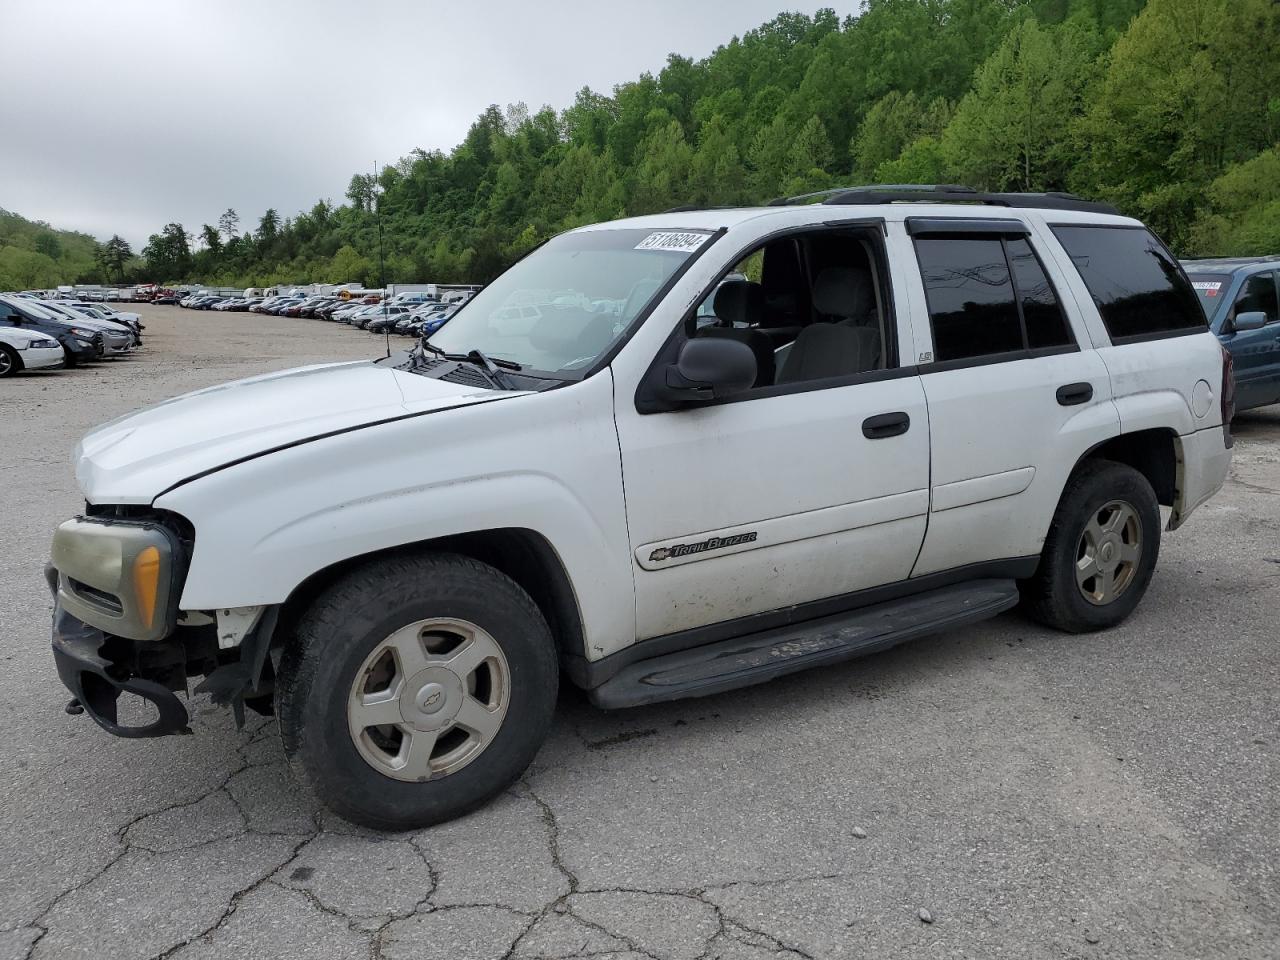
x,y
1138,286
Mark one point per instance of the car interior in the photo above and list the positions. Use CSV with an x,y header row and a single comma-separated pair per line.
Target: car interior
x,y
811,306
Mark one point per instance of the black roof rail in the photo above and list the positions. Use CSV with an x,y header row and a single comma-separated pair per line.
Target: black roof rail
x,y
953,193
886,187
694,207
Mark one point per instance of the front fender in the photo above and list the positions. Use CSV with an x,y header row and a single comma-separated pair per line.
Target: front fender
x,y
544,462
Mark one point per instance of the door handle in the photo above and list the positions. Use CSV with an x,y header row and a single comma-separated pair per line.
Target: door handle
x,y
886,425
1073,393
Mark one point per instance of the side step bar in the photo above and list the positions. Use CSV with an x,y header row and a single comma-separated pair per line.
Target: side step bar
x,y
755,658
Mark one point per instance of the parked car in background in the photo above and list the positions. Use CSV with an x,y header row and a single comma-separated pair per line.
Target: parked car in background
x,y
435,322
345,313
103,312
1241,299
385,317
81,342
315,305
327,311
88,314
28,350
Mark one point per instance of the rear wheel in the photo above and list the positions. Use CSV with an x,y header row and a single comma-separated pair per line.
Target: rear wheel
x,y
1100,552
415,689
10,362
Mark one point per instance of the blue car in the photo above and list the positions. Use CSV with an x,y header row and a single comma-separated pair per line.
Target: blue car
x,y
434,323
1241,299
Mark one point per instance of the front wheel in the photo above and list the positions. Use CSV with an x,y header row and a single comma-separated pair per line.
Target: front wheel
x,y
1100,552
10,362
414,689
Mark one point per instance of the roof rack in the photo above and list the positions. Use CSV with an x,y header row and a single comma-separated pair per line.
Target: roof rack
x,y
956,193
887,187
693,207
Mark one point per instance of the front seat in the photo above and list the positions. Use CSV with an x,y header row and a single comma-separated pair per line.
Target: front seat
x,y
847,346
742,302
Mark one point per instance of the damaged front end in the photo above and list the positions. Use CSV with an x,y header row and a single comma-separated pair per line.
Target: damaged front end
x,y
116,576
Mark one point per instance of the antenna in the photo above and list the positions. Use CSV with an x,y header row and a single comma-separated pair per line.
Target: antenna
x,y
382,262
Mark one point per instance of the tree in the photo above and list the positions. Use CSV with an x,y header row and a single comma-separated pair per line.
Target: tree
x,y
360,191
769,154
25,269
1013,130
1243,216
662,173
810,158
116,253
268,226
587,122
229,223
1188,90
348,266
211,239
717,174
47,243
894,122
922,162
168,253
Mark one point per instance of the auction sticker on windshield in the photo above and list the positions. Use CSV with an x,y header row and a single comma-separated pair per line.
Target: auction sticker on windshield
x,y
1210,287
672,242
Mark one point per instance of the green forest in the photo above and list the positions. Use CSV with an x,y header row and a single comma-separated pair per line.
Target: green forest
x,y
1168,108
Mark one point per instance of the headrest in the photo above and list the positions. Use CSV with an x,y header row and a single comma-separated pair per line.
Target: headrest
x,y
843,292
739,301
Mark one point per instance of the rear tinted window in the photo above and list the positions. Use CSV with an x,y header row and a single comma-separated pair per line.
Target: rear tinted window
x,y
970,294
1137,285
1046,325
981,291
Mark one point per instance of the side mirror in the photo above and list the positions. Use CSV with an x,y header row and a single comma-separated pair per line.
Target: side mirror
x,y
1250,320
711,368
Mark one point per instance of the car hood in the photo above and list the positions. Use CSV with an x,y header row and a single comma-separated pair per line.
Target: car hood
x,y
17,335
134,459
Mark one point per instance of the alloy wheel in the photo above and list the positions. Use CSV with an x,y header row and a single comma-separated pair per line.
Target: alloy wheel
x,y
1109,552
429,699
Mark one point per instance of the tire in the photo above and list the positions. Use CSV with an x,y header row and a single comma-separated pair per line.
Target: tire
x,y
1099,492
10,362
69,358
348,633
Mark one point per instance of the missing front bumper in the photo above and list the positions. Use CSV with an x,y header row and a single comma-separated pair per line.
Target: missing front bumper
x,y
97,681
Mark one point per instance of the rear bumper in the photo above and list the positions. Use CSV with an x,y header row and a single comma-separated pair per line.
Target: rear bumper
x,y
1204,462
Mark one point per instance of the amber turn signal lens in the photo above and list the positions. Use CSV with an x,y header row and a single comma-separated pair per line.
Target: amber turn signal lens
x,y
146,582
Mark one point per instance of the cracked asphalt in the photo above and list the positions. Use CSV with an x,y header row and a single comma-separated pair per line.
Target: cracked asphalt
x,y
1039,795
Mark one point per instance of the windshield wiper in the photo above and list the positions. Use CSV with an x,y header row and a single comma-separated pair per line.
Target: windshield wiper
x,y
493,366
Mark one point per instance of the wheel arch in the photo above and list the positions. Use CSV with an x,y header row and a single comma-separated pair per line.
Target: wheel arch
x,y
1156,453
524,555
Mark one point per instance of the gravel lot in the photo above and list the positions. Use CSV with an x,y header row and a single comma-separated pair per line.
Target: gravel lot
x,y
1039,795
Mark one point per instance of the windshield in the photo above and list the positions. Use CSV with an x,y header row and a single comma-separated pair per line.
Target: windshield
x,y
563,306
33,309
1210,288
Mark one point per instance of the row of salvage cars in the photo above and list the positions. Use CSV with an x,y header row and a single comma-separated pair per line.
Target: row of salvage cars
x,y
408,314
38,334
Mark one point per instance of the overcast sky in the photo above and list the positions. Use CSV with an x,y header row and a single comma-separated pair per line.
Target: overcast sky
x,y
121,116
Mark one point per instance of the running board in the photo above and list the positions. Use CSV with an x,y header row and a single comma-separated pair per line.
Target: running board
x,y
755,658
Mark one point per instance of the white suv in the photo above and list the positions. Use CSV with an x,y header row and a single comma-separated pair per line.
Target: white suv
x,y
913,410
